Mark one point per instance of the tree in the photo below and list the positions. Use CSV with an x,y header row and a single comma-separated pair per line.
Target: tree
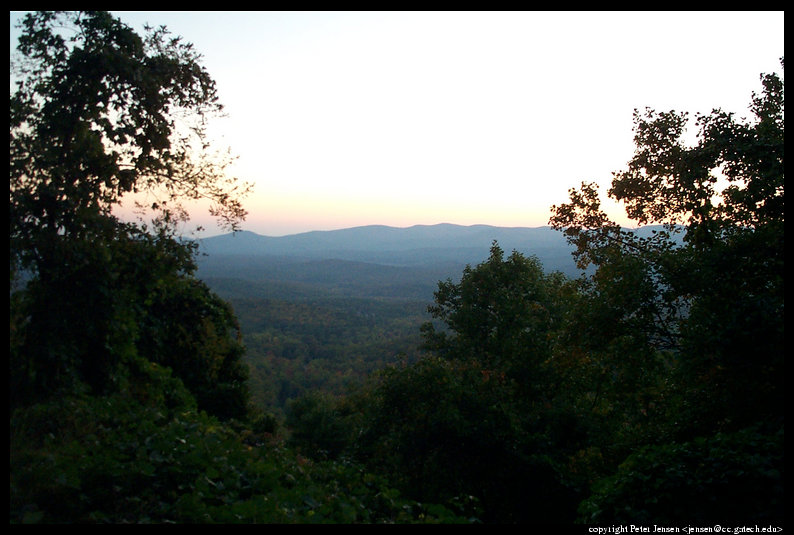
x,y
195,333
680,330
316,426
499,314
734,478
100,112
475,417
504,316
714,298
451,429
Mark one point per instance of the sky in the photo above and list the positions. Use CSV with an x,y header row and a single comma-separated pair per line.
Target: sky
x,y
342,119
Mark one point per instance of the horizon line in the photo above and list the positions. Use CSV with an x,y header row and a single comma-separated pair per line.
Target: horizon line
x,y
376,225
373,225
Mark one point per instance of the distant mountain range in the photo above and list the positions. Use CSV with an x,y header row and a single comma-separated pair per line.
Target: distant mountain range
x,y
412,246
369,261
365,262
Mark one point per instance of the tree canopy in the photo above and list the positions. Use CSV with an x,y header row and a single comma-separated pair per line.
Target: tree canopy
x,y
128,388
99,112
648,390
715,297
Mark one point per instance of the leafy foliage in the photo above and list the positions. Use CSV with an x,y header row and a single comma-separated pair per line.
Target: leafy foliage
x,y
98,112
316,425
468,420
735,477
78,326
115,460
297,346
129,395
451,431
195,333
648,390
711,299
686,335
639,380
499,310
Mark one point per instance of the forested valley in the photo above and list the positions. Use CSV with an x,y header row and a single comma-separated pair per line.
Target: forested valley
x,y
294,348
645,390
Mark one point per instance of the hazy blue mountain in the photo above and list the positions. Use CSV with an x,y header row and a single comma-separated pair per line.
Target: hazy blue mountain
x,y
417,245
368,261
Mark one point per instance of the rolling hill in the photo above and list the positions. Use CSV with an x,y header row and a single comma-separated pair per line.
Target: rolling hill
x,y
420,244
368,261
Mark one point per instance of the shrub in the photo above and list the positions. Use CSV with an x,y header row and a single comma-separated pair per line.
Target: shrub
x,y
734,477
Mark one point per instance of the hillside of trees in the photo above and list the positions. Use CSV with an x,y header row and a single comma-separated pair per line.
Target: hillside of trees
x,y
294,348
648,390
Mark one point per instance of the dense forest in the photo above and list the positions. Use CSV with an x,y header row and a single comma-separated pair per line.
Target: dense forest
x,y
648,390
295,347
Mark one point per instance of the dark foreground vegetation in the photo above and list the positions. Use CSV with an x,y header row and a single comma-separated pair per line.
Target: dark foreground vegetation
x,y
648,391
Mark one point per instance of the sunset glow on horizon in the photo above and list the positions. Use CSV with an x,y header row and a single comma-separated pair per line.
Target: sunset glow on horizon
x,y
343,119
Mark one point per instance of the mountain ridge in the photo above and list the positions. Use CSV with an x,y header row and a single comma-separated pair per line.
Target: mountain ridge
x,y
371,260
343,243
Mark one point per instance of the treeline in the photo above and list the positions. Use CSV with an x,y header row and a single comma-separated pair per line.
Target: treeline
x,y
129,400
648,391
544,402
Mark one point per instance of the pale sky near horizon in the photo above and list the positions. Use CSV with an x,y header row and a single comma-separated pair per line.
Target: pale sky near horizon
x,y
344,119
